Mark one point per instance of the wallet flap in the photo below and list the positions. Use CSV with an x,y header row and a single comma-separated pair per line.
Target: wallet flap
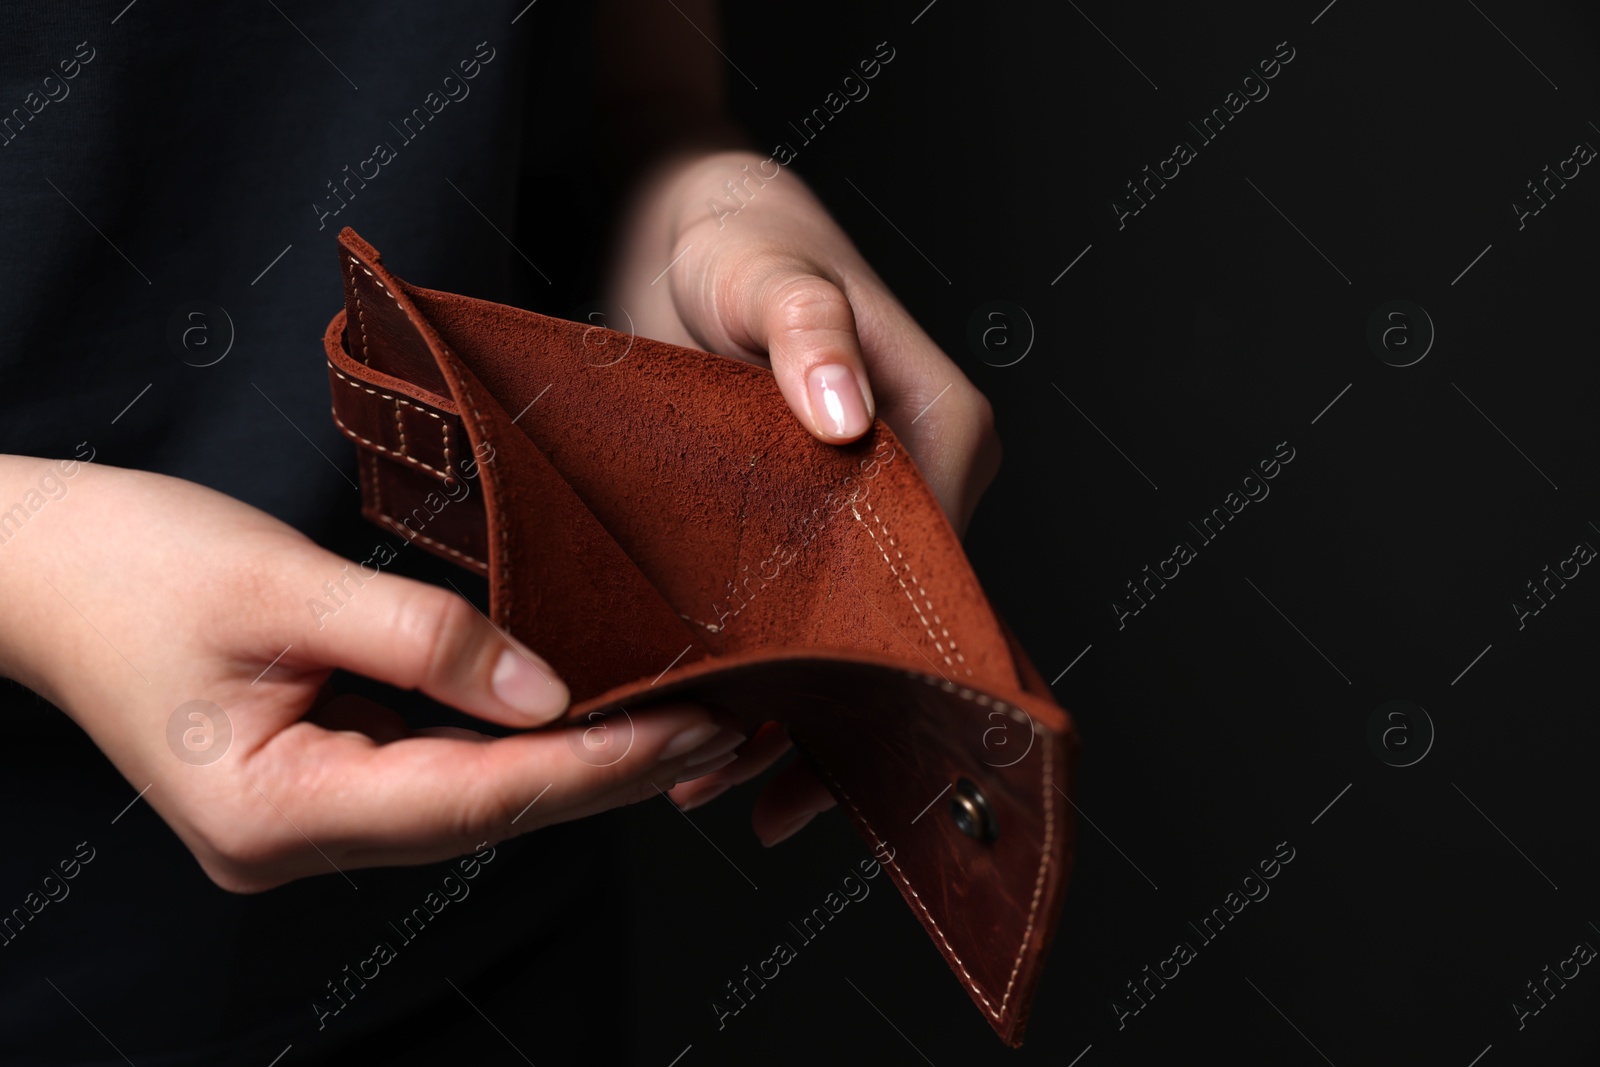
x,y
758,534
561,565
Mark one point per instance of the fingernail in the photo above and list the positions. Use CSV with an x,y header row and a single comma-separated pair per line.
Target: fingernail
x,y
705,767
527,683
788,829
723,743
838,403
689,740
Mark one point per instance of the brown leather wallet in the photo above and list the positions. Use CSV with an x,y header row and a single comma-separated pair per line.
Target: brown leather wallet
x,y
655,523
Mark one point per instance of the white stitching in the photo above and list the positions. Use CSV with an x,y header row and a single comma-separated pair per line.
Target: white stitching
x,y
1038,882
377,492
371,275
448,471
411,535
387,396
1049,828
500,520
903,588
1038,885
371,467
348,432
361,318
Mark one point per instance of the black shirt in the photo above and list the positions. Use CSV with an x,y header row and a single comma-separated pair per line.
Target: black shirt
x,y
174,175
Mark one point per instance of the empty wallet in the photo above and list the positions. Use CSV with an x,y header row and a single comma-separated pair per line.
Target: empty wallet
x,y
656,523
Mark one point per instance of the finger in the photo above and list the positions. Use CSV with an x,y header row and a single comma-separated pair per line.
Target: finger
x,y
791,800
422,799
418,636
759,753
807,327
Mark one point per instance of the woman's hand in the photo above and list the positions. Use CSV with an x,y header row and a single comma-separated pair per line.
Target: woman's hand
x,y
776,279
769,276
129,595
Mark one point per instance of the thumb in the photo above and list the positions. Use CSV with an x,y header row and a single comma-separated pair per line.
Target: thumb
x,y
418,636
805,324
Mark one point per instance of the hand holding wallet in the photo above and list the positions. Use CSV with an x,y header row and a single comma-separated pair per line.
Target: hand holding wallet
x,y
655,523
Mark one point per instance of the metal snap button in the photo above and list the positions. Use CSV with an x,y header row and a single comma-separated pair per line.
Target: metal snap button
x,y
972,812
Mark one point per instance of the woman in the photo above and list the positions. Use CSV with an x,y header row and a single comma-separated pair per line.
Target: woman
x,y
164,514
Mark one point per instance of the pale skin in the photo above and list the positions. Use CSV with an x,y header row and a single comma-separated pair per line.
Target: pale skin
x,y
135,593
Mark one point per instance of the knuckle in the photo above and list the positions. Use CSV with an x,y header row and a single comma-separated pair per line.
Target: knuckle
x,y
240,860
246,842
811,303
982,421
242,881
970,420
484,812
969,426
437,627
979,412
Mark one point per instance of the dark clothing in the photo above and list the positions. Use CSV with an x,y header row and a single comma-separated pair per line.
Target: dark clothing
x,y
173,178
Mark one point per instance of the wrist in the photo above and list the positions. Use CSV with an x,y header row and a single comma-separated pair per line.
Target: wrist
x,y
35,498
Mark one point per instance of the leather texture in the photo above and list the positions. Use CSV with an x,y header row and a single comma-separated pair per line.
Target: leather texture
x,y
654,521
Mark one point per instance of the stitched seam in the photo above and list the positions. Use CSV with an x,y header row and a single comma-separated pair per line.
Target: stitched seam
x,y
354,263
401,427
500,521
725,620
1039,879
361,318
1047,776
388,451
377,489
354,384
448,471
916,898
411,535
934,638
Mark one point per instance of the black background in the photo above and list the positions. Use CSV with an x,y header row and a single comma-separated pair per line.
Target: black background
x,y
1198,338
1228,716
